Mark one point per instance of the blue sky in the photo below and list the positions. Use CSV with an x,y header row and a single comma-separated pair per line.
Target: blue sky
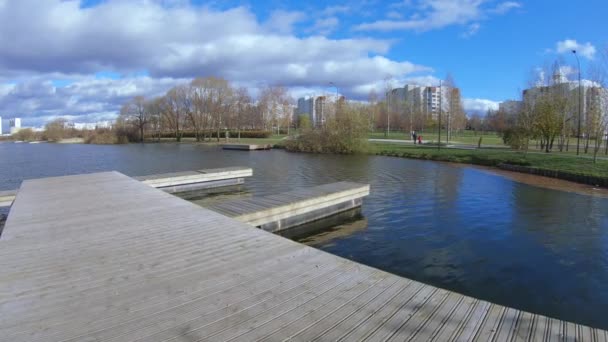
x,y
81,60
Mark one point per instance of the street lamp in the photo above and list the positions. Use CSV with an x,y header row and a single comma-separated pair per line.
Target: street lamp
x,y
440,110
580,104
335,86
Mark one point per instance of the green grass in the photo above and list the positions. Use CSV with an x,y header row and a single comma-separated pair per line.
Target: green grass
x,y
465,137
493,157
273,140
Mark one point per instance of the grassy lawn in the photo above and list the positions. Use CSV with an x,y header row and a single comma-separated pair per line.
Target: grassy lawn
x,y
273,140
465,137
493,157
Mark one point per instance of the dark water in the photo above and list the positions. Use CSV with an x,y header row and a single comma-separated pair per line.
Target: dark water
x,y
455,227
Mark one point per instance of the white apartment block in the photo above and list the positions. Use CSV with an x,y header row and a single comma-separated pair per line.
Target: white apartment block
x,y
511,107
10,126
315,107
591,96
420,99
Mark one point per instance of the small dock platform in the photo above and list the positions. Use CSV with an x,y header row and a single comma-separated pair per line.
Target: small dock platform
x,y
246,147
280,212
176,181
7,197
195,180
103,257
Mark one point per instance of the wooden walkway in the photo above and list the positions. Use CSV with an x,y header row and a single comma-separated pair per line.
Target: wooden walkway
x,y
200,179
7,197
246,147
102,257
176,181
282,211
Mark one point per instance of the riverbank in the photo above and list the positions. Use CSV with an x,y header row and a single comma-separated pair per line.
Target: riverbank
x,y
576,169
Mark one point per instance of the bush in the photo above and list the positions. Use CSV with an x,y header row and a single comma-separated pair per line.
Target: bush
x,y
344,133
515,138
24,134
102,136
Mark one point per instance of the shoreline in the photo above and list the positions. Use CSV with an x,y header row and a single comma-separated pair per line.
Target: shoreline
x,y
517,166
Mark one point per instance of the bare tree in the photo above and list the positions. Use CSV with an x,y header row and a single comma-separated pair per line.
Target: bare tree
x,y
275,104
135,113
242,107
173,112
154,108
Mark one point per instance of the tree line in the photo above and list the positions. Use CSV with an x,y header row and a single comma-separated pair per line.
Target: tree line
x,y
555,115
206,108
389,114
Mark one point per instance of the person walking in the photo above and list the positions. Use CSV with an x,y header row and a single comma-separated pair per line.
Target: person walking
x,y
420,140
414,136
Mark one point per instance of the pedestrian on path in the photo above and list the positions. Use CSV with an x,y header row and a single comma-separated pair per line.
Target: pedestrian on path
x,y
420,140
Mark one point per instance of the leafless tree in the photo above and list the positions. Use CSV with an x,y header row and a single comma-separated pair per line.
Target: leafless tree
x,y
135,113
275,104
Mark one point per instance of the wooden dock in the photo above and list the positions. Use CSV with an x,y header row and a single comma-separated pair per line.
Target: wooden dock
x,y
7,197
283,211
176,181
102,257
246,147
195,180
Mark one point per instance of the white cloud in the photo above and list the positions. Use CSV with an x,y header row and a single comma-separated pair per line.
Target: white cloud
x,y
436,14
49,40
283,21
479,106
333,10
37,100
394,15
325,26
472,29
586,50
505,7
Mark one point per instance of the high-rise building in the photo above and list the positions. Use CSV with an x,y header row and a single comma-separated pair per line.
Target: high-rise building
x,y
421,99
511,107
314,107
1,131
14,125
591,95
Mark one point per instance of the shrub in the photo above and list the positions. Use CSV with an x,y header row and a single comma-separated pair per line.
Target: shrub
x,y
346,132
24,134
517,139
102,137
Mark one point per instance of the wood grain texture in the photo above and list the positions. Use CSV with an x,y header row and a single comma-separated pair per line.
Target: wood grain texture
x,y
103,257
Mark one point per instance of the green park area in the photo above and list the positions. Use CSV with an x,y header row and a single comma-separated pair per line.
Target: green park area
x,y
555,161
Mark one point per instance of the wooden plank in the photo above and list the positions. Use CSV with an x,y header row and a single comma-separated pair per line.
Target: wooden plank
x,y
344,312
134,263
297,203
357,319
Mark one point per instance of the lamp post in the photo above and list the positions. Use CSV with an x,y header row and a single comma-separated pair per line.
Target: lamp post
x,y
580,105
335,86
440,110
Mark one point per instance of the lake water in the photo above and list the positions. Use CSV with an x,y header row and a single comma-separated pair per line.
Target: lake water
x,y
457,227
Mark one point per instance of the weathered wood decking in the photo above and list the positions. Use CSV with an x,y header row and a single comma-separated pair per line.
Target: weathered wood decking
x,y
282,211
246,147
176,181
102,257
195,180
7,197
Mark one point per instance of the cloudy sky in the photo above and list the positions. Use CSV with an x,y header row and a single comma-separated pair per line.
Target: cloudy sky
x,y
82,59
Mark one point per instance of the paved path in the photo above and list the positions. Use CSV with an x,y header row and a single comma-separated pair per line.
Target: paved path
x,y
103,257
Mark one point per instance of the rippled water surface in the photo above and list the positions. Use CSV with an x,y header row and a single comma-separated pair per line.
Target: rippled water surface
x,y
455,227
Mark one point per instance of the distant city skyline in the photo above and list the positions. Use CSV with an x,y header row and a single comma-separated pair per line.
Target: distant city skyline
x,y
85,66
